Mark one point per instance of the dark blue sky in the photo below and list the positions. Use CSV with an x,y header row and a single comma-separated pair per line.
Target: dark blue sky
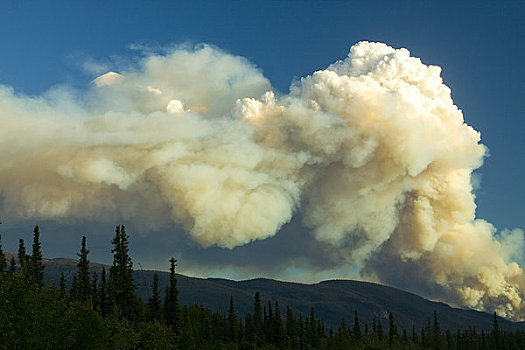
x,y
479,45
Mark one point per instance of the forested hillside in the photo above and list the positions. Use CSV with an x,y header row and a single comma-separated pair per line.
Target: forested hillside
x,y
101,309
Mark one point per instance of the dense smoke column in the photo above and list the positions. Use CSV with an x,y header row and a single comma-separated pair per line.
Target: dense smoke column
x,y
372,152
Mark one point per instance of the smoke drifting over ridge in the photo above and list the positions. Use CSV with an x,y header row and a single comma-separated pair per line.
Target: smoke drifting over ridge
x,y
371,151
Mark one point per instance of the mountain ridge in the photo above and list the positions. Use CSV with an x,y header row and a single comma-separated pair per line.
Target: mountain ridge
x,y
332,300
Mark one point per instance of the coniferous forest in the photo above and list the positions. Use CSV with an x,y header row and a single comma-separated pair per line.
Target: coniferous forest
x,y
103,312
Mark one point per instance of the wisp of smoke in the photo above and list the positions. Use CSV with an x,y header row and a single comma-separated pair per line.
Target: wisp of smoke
x,y
371,151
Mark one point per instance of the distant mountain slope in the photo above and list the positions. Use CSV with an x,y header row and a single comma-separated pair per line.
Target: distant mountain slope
x,y
332,300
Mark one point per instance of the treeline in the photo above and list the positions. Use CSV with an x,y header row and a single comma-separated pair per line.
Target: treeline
x,y
103,312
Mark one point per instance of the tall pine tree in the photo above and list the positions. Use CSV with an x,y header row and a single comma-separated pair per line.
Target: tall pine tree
x,y
231,321
257,319
171,302
104,301
84,284
121,283
154,302
3,261
22,257
36,265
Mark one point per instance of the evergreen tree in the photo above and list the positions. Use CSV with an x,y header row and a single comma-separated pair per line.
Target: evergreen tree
x,y
84,285
301,332
121,284
257,318
3,261
37,267
277,327
496,332
62,285
357,329
436,332
392,330
73,291
21,252
154,302
342,331
379,330
104,298
12,265
95,297
415,339
291,328
232,321
313,338
171,301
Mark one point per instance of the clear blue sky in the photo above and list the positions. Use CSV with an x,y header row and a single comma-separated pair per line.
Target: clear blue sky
x,y
479,45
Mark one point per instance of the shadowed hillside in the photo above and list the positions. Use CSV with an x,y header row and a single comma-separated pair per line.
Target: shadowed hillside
x,y
332,300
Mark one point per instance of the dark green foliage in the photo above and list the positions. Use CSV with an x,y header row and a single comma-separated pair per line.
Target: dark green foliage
x,y
62,286
154,302
392,330
3,261
22,257
121,285
104,302
83,282
257,319
95,296
36,266
436,333
232,322
38,318
12,265
171,301
73,292
496,333
357,329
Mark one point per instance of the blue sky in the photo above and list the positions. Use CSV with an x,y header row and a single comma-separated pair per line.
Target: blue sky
x,y
479,45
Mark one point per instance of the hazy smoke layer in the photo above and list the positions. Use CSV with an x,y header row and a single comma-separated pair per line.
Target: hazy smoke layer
x,y
372,150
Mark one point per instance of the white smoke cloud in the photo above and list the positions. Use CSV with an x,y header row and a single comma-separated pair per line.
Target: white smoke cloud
x,y
372,151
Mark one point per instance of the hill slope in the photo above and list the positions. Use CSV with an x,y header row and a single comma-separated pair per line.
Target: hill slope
x,y
332,300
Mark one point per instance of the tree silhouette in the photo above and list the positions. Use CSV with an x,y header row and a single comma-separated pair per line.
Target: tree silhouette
x,y
171,302
122,287
84,285
154,302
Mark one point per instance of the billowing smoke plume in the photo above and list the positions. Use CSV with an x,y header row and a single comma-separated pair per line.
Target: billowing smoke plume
x,y
372,151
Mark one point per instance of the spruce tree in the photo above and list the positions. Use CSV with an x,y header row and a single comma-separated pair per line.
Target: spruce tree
x,y
62,285
171,302
36,265
313,338
278,327
291,328
3,261
73,291
496,332
232,321
84,285
414,334
154,302
12,265
121,284
103,292
257,318
392,329
94,291
357,329
379,330
21,252
301,337
436,332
